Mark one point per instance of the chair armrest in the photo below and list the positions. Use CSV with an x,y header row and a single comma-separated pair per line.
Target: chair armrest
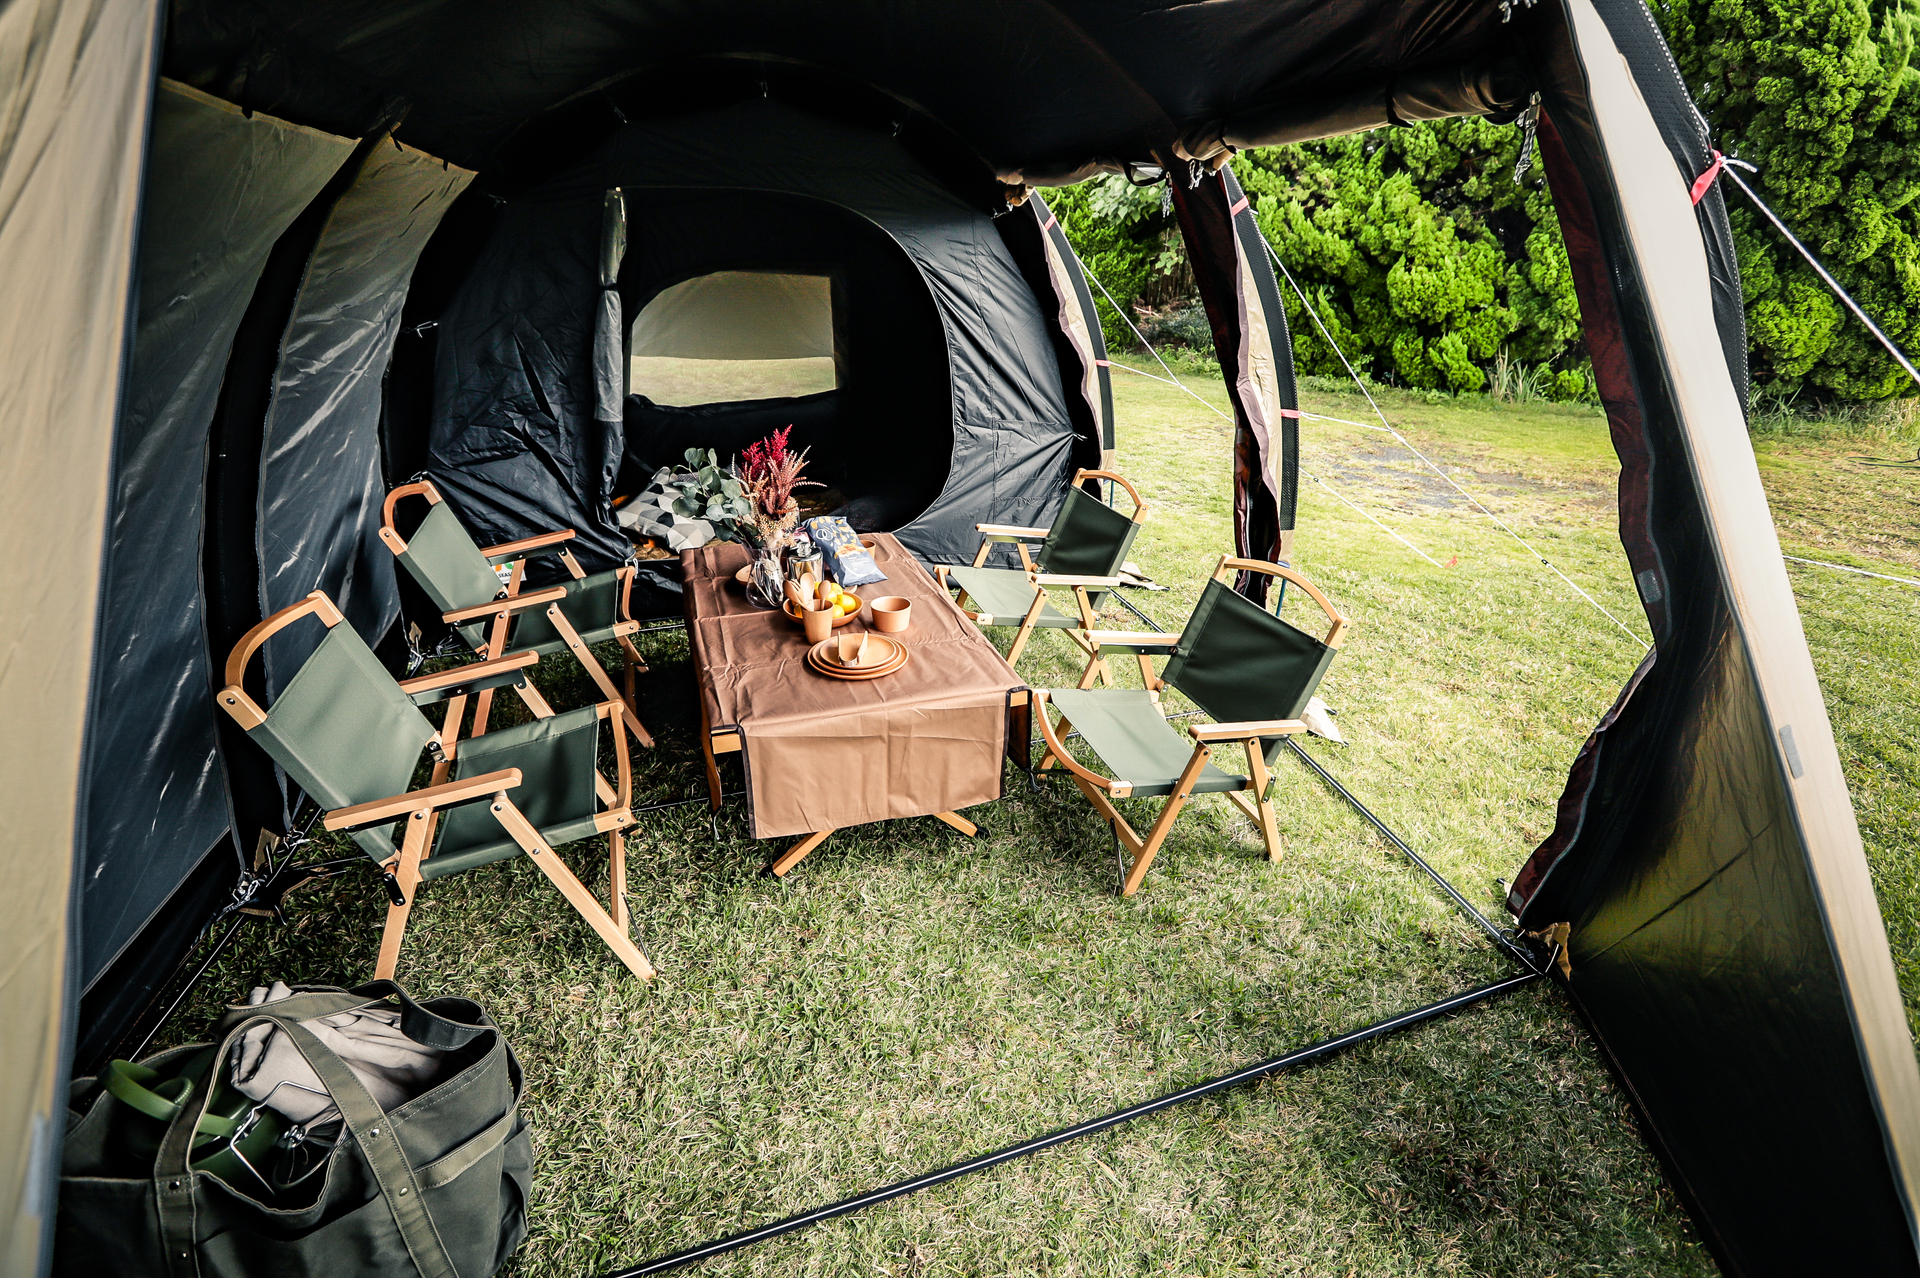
x,y
1060,579
1011,532
1242,731
445,795
1127,641
460,680
515,603
514,549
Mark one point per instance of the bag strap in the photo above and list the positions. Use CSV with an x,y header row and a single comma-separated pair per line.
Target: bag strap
x,y
429,1029
371,1129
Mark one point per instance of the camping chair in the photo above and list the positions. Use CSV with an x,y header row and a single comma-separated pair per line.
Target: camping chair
x,y
1083,550
458,576
1234,660
351,737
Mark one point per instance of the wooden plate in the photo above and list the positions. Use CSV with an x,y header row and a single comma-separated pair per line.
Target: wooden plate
x,y
818,659
794,616
746,571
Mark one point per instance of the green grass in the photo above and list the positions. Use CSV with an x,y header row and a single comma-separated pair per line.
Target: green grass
x,y
907,998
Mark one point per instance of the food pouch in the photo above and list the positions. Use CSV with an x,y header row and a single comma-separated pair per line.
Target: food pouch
x,y
847,560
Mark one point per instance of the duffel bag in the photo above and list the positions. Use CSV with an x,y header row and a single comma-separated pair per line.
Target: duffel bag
x,y
436,1187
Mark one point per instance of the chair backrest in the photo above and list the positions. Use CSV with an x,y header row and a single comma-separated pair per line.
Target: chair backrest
x,y
342,729
1090,538
441,556
1240,663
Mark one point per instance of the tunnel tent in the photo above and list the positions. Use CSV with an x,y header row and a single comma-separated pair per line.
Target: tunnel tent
x,y
950,403
172,245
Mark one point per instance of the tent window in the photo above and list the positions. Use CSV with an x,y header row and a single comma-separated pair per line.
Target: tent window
x,y
735,335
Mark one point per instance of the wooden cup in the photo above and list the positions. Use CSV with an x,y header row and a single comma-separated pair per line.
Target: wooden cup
x,y
891,613
818,623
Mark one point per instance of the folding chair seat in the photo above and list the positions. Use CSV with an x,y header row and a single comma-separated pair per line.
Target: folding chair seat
x,y
459,577
1082,551
1234,659
351,738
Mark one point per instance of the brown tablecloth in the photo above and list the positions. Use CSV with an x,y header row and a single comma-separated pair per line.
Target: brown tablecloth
x,y
825,753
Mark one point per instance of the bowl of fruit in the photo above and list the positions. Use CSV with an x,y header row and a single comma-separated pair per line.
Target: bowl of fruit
x,y
846,606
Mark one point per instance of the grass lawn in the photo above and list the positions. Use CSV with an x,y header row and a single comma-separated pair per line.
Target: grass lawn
x,y
907,998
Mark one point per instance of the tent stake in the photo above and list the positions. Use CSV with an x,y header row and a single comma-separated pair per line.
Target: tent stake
x,y
1293,1060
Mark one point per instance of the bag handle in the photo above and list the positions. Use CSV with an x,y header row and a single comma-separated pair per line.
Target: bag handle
x,y
429,1029
371,1129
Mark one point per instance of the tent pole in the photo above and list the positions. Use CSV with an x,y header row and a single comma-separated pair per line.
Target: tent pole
x,y
1498,937
1308,1055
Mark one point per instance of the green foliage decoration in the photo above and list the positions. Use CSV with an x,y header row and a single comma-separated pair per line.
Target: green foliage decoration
x,y
704,489
1824,97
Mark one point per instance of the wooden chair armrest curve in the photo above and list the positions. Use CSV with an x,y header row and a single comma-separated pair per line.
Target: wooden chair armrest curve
x,y
1058,749
1243,731
444,795
514,549
1139,502
1336,634
468,673
316,603
424,488
514,603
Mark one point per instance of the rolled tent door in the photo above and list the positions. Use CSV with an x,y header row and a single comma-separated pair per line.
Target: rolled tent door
x,y
609,328
221,187
1725,944
1079,322
321,479
1236,283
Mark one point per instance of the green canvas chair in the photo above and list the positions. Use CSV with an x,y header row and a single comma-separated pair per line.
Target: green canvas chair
x,y
1235,660
1083,552
351,738
458,576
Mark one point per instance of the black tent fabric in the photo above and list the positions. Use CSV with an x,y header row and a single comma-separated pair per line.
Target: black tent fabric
x,y
220,189
514,439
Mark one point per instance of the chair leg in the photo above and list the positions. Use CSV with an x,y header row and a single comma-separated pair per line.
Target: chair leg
x,y
517,825
407,872
1145,849
617,874
535,702
598,673
1262,796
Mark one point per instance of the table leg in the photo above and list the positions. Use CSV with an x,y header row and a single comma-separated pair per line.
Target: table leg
x,y
959,823
713,767
797,853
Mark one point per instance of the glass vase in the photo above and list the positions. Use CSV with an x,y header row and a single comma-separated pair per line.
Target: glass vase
x,y
766,583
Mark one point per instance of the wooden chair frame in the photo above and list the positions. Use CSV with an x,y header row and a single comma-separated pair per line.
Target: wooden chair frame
x,y
502,608
1018,536
421,808
1255,799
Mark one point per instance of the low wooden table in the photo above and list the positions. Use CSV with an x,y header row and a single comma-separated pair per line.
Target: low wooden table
x,y
822,754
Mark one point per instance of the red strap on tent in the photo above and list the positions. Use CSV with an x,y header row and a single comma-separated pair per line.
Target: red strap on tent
x,y
1703,183
1290,412
1053,221
1103,363
1239,207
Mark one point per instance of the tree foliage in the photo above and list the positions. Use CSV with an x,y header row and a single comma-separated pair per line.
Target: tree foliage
x,y
1823,96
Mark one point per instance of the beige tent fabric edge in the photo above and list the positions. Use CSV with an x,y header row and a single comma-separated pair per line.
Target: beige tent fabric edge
x,y
75,86
1673,269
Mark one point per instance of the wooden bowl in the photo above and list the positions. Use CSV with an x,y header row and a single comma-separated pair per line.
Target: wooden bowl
x,y
793,615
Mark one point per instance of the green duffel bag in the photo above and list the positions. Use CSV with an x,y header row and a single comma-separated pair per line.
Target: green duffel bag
x,y
437,1187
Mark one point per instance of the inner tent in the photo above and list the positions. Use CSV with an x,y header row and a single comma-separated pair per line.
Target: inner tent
x,y
956,393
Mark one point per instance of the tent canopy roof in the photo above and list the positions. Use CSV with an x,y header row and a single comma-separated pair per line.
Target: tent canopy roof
x,y
1029,87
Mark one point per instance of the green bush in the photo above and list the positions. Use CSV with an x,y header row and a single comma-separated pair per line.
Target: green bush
x,y
1825,99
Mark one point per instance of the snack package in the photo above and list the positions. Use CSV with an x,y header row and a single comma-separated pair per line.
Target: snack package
x,y
847,560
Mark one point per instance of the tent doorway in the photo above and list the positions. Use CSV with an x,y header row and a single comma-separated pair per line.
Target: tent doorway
x,y
758,310
734,335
